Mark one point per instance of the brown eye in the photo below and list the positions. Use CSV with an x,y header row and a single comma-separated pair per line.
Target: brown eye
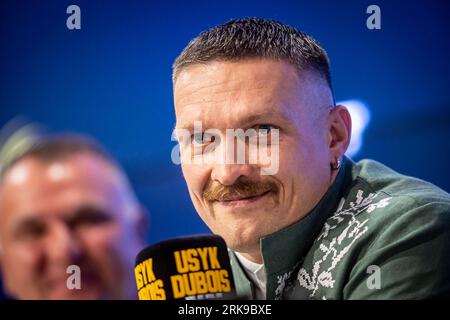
x,y
89,217
31,230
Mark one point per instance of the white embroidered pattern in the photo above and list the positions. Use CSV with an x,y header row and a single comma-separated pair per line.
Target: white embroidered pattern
x,y
333,250
281,280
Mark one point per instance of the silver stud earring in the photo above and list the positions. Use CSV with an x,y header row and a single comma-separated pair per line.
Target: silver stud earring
x,y
337,164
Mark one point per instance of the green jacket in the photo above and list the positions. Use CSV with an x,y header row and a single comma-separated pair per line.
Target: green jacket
x,y
375,234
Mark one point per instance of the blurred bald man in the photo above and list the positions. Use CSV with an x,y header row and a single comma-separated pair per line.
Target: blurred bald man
x,y
66,202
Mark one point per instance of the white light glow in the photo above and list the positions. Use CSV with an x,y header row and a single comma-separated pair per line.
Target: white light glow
x,y
57,171
360,115
18,175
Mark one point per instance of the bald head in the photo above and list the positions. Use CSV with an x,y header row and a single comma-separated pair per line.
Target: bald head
x,y
30,178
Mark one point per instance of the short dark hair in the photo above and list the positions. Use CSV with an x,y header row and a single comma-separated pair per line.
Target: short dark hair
x,y
51,148
240,39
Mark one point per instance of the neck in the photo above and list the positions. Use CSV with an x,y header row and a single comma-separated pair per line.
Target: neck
x,y
255,257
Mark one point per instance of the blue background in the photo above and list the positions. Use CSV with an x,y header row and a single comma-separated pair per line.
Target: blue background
x,y
112,80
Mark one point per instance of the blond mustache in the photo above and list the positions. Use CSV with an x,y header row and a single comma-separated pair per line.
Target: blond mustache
x,y
242,189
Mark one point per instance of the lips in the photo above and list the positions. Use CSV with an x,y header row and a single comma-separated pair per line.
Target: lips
x,y
236,199
57,288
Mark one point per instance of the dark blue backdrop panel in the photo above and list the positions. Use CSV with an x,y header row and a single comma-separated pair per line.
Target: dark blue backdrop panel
x,y
112,80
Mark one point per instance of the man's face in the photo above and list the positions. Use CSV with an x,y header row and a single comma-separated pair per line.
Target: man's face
x,y
74,211
235,200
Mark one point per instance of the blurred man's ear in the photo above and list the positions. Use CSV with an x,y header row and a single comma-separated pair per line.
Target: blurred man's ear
x,y
340,131
2,286
1,258
142,224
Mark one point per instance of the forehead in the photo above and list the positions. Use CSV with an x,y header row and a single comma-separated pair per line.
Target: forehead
x,y
225,92
32,186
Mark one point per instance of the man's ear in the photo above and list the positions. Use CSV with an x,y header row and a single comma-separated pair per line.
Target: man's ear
x,y
340,131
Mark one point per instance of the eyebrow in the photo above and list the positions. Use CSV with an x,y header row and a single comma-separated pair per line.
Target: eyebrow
x,y
81,212
264,116
89,212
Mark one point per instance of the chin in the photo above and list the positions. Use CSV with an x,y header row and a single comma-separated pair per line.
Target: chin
x,y
243,243
77,295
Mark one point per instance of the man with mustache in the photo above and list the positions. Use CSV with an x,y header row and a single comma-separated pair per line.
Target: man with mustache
x,y
321,226
66,206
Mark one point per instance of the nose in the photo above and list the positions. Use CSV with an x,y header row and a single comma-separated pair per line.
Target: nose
x,y
226,168
228,174
63,248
